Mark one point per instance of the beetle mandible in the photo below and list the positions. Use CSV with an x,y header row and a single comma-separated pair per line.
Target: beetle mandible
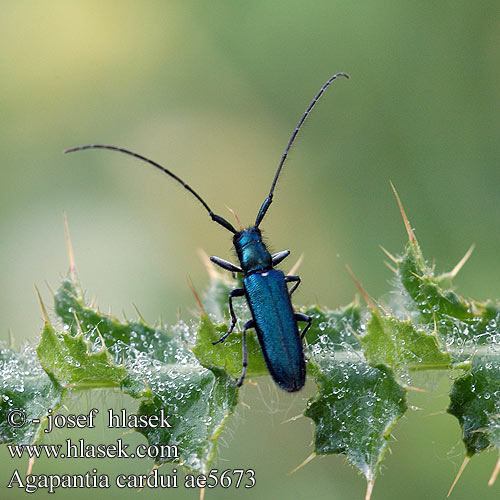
x,y
264,287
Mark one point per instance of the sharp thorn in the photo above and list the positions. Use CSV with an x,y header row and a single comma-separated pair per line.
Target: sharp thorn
x,y
305,462
415,389
409,230
51,290
296,266
80,331
369,489
461,263
383,309
196,296
130,431
462,467
421,278
240,227
368,301
139,313
72,265
30,465
42,306
494,474
389,254
354,332
435,413
292,419
103,344
392,268
209,266
11,339
155,466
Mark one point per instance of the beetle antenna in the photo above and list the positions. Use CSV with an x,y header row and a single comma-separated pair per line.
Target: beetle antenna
x,y
269,199
216,218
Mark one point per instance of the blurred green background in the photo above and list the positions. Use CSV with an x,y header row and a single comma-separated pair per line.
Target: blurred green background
x,y
213,90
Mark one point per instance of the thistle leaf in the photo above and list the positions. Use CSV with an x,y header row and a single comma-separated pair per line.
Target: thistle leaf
x,y
161,370
25,387
356,407
475,402
402,346
71,362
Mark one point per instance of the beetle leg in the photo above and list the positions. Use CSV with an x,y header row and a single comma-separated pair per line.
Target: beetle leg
x,y
291,278
237,292
248,324
278,257
228,266
307,319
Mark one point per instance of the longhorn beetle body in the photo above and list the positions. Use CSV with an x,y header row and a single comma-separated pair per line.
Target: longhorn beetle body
x,y
264,287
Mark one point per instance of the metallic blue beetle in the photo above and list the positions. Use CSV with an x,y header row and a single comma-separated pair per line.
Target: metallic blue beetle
x,y
272,314
264,287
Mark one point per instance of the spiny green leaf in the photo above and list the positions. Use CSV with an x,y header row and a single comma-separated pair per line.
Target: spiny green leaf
x,y
401,345
24,385
354,411
76,316
423,288
333,336
475,402
200,402
460,324
71,362
357,405
146,358
340,326
163,372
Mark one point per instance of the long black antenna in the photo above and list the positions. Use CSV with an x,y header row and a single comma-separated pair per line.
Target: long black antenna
x,y
269,199
216,218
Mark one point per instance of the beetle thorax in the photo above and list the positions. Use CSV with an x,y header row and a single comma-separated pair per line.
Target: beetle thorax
x,y
251,250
